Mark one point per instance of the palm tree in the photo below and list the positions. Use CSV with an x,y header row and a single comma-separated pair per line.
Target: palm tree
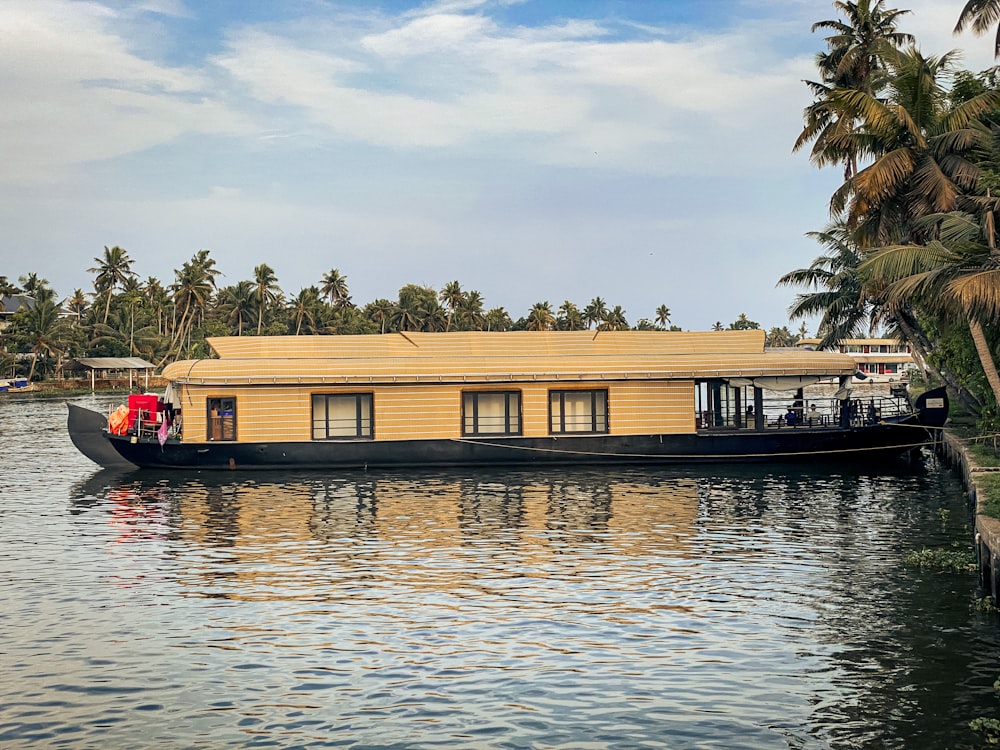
x,y
32,285
131,299
451,297
919,147
47,333
956,275
497,319
855,60
858,45
303,308
114,269
266,291
469,314
570,318
77,304
595,312
980,16
192,291
334,287
7,288
779,337
838,297
614,320
663,315
541,318
418,310
851,308
236,304
743,323
158,301
380,312
406,318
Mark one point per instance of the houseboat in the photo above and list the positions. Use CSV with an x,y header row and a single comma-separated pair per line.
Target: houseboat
x,y
513,398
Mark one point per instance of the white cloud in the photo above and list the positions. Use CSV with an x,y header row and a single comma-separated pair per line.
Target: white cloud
x,y
73,93
553,94
932,23
174,8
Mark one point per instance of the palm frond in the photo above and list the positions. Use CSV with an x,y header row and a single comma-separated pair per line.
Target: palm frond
x,y
977,293
885,175
934,188
971,110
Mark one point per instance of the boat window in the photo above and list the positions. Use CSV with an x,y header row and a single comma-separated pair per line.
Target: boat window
x,y
578,411
491,413
222,419
342,416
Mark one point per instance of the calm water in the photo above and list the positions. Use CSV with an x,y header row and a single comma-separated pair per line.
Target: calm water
x,y
762,608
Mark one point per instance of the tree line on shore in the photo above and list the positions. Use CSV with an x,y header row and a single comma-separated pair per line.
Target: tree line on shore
x,y
127,316
911,250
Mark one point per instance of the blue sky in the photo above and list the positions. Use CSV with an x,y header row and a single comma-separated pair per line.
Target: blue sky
x,y
637,150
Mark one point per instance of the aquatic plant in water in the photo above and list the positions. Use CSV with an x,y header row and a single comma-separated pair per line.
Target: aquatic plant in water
x,y
943,560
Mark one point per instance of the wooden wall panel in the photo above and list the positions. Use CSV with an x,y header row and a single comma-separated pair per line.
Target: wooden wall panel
x,y
283,413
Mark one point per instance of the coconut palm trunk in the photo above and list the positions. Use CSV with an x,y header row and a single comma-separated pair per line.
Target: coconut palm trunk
x,y
915,336
985,357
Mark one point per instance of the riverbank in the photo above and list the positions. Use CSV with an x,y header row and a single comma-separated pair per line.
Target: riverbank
x,y
80,386
982,483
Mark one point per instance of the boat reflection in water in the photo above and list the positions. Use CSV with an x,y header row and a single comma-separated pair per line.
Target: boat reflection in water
x,y
763,607
424,530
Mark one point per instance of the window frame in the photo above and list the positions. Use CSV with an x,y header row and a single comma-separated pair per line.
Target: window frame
x,y
360,433
219,403
596,395
508,413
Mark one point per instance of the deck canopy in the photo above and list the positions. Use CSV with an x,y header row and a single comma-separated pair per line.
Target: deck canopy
x,y
100,367
488,357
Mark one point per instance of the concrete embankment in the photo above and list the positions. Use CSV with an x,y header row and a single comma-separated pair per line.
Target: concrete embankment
x,y
987,529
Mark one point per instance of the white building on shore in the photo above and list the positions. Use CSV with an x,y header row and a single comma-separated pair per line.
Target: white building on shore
x,y
882,360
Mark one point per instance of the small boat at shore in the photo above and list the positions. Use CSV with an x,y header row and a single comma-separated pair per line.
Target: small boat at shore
x,y
17,385
496,399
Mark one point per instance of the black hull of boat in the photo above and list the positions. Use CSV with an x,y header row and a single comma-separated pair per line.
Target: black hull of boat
x,y
870,443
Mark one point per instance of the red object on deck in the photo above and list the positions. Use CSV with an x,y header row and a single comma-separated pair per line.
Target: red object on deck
x,y
141,403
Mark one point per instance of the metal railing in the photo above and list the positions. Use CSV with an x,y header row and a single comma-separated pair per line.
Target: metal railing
x,y
781,413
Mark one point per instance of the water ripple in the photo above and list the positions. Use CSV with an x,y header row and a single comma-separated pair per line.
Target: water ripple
x,y
560,609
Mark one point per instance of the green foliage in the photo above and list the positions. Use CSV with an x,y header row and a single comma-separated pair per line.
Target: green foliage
x,y
989,494
779,337
985,605
40,330
986,450
209,328
988,728
942,560
743,323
